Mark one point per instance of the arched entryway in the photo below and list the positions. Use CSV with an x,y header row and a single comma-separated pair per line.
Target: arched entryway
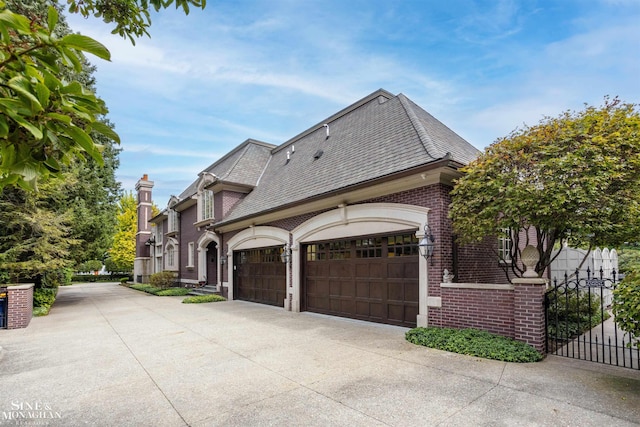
x,y
212,264
209,259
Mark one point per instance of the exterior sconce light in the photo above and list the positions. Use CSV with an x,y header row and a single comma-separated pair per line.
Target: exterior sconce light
x,y
286,254
223,260
151,241
427,244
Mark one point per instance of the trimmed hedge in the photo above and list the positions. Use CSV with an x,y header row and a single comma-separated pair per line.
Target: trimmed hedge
x,y
197,299
158,291
100,277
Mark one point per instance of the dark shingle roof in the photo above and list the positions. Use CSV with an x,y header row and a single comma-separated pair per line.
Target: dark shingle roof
x,y
380,135
243,165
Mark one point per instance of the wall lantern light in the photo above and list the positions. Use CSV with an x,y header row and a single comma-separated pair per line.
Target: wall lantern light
x,y
427,244
286,254
223,260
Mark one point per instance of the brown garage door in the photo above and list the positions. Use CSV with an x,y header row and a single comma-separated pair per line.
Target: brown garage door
x,y
370,278
259,276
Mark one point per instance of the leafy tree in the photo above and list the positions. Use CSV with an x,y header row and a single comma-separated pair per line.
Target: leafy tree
x,y
131,17
629,258
626,305
34,240
46,121
90,189
574,178
123,251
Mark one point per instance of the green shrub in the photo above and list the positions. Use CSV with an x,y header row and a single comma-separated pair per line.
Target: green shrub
x,y
572,313
145,288
197,299
41,311
91,278
473,342
44,297
163,280
173,292
124,280
626,305
160,292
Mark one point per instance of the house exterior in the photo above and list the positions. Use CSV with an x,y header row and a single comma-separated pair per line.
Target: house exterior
x,y
344,204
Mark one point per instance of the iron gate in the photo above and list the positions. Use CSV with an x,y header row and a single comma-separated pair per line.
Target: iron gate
x,y
4,305
580,325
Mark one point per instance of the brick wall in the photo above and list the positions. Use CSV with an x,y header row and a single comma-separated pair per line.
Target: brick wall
x,y
491,310
20,308
188,233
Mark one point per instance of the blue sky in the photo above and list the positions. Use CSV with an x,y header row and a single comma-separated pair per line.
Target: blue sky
x,y
269,69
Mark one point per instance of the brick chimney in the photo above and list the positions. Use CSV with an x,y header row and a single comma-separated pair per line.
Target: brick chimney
x,y
142,262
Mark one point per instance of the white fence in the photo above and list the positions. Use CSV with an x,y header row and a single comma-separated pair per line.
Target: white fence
x,y
569,260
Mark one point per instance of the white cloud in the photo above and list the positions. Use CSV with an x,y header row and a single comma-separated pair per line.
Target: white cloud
x,y
163,151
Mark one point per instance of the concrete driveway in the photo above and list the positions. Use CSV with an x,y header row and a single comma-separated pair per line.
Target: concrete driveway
x,y
110,356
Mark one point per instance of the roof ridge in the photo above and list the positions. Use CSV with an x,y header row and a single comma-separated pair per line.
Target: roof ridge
x,y
424,136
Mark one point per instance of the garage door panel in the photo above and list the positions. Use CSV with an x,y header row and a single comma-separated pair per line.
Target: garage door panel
x,y
347,289
395,291
396,313
396,270
369,268
411,292
260,276
340,269
369,283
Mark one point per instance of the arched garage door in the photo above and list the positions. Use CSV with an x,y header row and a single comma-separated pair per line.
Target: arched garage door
x,y
260,276
373,278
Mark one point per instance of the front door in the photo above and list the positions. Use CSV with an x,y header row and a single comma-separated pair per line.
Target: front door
x,y
212,263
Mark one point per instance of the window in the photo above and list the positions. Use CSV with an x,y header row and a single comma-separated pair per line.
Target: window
x,y
369,248
206,205
171,256
173,221
191,253
402,245
504,245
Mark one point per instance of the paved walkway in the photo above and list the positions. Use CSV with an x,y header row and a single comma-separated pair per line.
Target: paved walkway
x,y
110,356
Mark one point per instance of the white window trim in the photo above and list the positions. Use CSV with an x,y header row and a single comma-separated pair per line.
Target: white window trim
x,y
171,262
191,255
505,243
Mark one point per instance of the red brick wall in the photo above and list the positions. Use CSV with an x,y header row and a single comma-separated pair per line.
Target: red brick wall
x,y
487,309
188,233
20,308
529,314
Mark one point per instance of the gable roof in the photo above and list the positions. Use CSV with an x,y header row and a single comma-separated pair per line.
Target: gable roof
x,y
379,135
242,165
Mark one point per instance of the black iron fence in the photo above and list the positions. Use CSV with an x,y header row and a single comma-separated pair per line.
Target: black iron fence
x,y
580,325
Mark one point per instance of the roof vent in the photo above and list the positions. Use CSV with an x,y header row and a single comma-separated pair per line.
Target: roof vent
x,y
318,154
326,126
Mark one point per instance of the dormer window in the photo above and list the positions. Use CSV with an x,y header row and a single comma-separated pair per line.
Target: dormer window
x,y
205,196
173,221
206,205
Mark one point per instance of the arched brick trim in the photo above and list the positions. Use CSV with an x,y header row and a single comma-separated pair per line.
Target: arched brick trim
x,y
202,243
253,237
361,219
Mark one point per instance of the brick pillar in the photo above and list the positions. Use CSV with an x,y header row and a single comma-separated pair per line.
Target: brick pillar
x,y
528,307
20,309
